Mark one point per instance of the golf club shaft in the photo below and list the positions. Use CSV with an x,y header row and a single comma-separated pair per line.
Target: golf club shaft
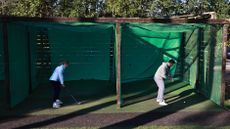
x,y
72,96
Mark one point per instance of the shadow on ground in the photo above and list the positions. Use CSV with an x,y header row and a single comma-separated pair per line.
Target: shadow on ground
x,y
176,103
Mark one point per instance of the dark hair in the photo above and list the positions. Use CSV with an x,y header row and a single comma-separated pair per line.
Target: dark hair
x,y
65,62
172,61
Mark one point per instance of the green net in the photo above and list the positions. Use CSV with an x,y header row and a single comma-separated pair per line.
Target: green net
x,y
191,57
217,64
87,47
33,55
90,49
203,60
211,62
144,48
18,63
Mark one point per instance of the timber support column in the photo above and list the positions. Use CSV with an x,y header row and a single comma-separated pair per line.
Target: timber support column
x,y
118,64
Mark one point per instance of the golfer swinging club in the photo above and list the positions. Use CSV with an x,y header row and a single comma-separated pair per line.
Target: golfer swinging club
x,y
161,74
57,81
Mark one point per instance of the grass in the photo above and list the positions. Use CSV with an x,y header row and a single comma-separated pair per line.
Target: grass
x,y
180,97
137,97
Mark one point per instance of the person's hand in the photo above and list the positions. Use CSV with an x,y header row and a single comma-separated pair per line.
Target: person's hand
x,y
171,79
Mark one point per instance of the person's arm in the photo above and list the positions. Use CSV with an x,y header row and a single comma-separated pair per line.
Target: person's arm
x,y
164,71
61,78
170,77
164,74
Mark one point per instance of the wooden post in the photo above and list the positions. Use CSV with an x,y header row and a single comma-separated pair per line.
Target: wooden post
x,y
182,56
224,51
118,64
6,63
29,58
199,77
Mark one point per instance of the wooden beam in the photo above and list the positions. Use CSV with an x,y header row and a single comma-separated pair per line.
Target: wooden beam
x,y
6,64
117,20
224,51
118,64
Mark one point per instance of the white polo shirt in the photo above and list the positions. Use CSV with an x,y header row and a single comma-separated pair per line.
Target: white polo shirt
x,y
162,71
58,74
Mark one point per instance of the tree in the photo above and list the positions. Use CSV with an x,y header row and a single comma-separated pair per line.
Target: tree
x,y
84,8
221,7
35,8
126,8
25,8
162,8
5,6
113,8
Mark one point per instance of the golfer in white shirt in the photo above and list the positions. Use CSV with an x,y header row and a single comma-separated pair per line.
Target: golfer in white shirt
x,y
57,81
161,74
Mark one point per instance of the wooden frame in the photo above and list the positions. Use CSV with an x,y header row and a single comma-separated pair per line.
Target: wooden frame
x,y
6,64
224,51
29,60
182,53
118,64
118,21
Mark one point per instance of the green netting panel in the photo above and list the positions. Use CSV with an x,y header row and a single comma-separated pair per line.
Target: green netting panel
x,y
203,60
87,47
159,27
18,63
1,54
33,32
71,26
217,69
191,56
205,50
211,62
143,50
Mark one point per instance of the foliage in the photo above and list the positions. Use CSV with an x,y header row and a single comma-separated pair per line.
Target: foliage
x,y
114,8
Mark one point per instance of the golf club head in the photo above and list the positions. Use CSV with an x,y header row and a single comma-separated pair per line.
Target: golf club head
x,y
79,103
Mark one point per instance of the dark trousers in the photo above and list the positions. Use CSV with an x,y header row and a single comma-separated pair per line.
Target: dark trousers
x,y
56,89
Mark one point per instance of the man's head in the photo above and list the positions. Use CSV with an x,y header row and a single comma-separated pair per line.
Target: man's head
x,y
65,63
171,62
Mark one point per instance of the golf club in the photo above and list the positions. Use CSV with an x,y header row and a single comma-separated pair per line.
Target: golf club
x,y
75,100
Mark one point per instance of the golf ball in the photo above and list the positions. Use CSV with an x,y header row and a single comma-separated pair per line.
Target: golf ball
x,y
184,102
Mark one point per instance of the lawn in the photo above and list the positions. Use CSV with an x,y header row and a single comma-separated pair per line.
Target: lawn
x,y
186,110
180,96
